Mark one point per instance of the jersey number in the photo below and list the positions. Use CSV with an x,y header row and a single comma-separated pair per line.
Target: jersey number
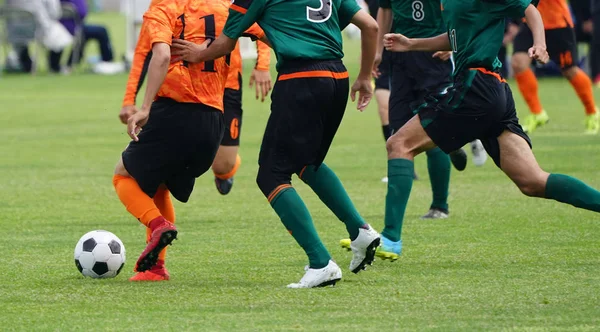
x,y
210,32
418,13
452,36
321,14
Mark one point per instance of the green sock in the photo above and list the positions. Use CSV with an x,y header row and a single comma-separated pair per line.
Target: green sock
x,y
295,217
566,189
438,164
400,180
330,190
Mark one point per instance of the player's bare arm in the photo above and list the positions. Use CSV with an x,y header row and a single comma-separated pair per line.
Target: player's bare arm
x,y
536,25
184,50
384,20
261,76
362,85
396,42
157,71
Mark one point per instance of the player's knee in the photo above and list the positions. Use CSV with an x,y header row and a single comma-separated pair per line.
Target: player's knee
x,y
532,187
223,165
120,169
268,180
397,147
520,62
569,73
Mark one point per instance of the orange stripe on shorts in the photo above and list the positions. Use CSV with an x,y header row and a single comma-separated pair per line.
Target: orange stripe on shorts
x,y
487,72
313,74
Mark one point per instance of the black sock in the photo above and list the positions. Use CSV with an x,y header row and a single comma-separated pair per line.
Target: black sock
x,y
387,131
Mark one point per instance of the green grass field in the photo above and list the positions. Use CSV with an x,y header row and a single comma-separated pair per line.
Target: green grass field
x,y
501,262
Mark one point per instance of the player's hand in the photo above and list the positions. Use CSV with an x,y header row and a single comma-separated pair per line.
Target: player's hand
x,y
185,50
126,112
396,42
262,80
442,55
136,122
364,87
539,53
375,72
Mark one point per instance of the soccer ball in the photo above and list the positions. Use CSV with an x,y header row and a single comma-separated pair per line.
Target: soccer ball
x,y
99,254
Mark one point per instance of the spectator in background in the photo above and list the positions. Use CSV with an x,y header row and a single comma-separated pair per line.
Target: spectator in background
x,y
53,36
90,32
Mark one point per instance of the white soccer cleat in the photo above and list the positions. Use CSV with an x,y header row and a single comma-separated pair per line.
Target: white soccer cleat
x,y
384,179
327,276
363,249
479,154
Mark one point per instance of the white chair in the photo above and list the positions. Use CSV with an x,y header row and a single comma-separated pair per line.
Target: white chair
x,y
21,30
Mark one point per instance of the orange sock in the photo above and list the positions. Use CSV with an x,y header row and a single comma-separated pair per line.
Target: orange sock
x,y
528,85
135,200
583,87
162,199
226,176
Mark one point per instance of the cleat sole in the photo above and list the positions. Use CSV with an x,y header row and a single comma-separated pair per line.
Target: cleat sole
x,y
369,257
331,283
387,256
151,258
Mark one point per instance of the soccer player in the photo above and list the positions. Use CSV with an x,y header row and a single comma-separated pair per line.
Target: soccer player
x,y
308,102
227,161
182,120
562,48
478,105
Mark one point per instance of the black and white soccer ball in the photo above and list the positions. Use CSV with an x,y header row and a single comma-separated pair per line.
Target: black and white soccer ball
x,y
99,254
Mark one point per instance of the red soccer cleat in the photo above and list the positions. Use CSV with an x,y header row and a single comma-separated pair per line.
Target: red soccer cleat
x,y
163,233
151,275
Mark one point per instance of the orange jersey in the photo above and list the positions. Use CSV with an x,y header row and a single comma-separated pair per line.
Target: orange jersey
x,y
193,20
235,67
555,14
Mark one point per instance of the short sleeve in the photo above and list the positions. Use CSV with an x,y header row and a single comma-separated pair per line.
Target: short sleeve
x,y
509,8
347,10
158,24
385,4
242,15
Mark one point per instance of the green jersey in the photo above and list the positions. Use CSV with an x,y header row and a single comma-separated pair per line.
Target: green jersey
x,y
415,19
476,29
297,29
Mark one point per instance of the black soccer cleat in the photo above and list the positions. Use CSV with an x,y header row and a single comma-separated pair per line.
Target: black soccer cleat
x,y
224,186
459,159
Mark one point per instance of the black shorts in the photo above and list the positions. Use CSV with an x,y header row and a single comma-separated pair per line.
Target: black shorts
x,y
383,81
478,106
306,111
177,145
232,105
414,75
560,43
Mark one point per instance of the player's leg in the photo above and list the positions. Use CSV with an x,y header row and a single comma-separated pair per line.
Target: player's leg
x,y
159,272
402,147
526,80
519,163
279,158
382,97
326,184
433,75
562,48
227,161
